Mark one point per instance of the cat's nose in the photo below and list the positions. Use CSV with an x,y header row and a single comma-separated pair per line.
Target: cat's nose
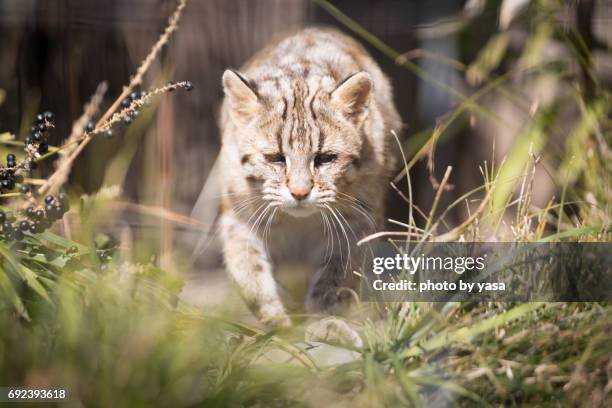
x,y
300,193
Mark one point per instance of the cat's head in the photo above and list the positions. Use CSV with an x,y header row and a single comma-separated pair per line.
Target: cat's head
x,y
299,142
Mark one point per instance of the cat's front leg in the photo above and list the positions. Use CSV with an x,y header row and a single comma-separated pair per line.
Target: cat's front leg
x,y
332,288
334,285
332,292
249,265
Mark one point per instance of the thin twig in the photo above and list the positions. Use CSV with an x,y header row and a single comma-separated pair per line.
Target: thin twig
x,y
60,176
91,108
438,196
407,200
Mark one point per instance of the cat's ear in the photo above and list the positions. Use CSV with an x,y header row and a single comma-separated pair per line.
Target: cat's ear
x,y
242,95
352,97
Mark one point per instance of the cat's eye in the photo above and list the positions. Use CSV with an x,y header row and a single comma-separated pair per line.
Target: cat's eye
x,y
324,158
275,158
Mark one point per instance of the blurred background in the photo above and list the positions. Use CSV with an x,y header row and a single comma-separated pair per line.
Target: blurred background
x,y
526,60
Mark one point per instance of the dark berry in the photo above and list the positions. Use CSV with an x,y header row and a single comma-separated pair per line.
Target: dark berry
x,y
134,114
62,197
126,102
43,148
24,225
10,157
40,118
34,129
57,211
49,116
127,120
188,86
37,228
8,184
17,234
90,127
11,164
2,216
37,137
49,210
27,141
109,133
135,95
30,212
42,127
25,189
39,214
7,227
49,199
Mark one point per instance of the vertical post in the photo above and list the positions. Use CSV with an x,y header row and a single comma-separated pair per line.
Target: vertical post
x,y
165,134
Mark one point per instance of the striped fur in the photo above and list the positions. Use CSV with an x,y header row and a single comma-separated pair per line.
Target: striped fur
x,y
306,151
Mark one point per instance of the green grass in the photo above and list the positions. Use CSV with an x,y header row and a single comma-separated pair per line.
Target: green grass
x,y
120,338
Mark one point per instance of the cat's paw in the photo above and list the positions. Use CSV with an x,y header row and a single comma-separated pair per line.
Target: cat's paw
x,y
274,316
333,330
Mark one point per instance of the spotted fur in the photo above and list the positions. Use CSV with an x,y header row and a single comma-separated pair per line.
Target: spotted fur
x,y
306,153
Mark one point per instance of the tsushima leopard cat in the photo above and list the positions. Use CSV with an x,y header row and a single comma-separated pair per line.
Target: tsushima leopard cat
x,y
307,150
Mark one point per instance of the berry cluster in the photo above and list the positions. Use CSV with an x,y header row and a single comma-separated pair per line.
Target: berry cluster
x,y
35,145
8,175
37,140
127,102
33,220
36,220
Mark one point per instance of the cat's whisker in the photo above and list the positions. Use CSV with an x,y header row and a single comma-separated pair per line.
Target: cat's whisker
x,y
347,223
367,216
329,238
238,207
268,226
248,222
334,229
259,219
360,207
255,215
355,199
256,224
348,259
336,213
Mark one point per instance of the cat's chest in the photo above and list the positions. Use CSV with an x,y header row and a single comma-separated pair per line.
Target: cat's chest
x,y
297,239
